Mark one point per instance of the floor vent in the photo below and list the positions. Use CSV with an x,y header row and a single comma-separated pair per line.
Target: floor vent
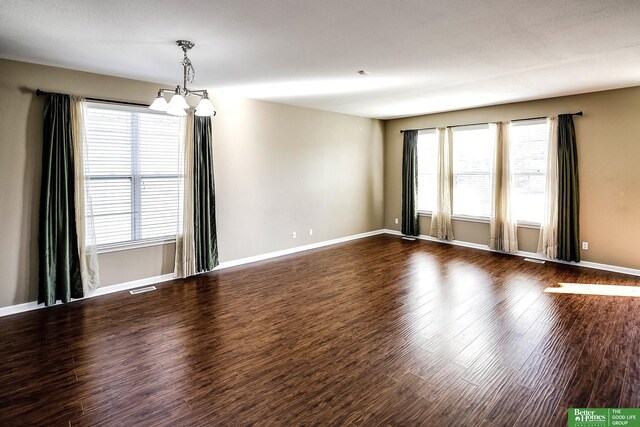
x,y
537,261
408,238
142,290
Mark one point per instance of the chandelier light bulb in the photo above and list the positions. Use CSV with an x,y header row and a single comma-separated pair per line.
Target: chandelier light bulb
x,y
178,101
159,104
205,107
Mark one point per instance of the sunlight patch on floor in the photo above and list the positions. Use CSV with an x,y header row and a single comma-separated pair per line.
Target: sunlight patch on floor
x,y
587,289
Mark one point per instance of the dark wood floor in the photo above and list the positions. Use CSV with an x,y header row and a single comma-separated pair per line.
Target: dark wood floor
x,y
376,331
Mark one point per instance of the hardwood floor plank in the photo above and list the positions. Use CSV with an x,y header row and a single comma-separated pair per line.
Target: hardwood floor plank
x,y
540,406
452,404
611,373
630,393
433,387
580,385
509,405
478,404
559,417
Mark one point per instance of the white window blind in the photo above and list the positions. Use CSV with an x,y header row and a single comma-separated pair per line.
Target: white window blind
x,y
427,170
133,168
472,151
529,148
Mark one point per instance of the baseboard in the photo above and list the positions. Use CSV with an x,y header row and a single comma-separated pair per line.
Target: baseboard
x,y
131,285
586,264
33,305
19,308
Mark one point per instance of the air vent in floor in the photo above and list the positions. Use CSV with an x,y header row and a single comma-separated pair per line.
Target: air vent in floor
x,y
142,290
537,261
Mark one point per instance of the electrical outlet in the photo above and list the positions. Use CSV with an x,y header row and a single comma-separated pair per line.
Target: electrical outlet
x,y
396,220
585,246
310,232
294,234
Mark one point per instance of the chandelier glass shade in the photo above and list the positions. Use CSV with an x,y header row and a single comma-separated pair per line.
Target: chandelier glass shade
x,y
178,105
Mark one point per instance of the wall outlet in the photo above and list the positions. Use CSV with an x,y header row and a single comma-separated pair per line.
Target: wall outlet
x,y
294,234
585,246
311,232
396,220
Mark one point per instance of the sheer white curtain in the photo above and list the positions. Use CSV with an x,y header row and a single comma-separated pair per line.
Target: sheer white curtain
x,y
548,240
185,262
441,226
503,227
87,249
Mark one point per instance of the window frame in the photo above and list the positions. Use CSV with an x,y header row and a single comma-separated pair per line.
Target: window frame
x,y
465,217
135,180
526,122
427,131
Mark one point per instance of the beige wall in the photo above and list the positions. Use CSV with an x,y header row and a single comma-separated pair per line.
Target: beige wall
x,y
608,137
278,169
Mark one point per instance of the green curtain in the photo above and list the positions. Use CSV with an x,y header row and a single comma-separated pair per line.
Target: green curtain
x,y
204,197
59,260
568,191
410,226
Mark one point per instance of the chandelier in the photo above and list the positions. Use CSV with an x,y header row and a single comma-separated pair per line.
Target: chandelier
x,y
178,103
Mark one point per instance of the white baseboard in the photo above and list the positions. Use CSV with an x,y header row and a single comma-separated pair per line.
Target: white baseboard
x,y
19,308
33,305
586,264
131,285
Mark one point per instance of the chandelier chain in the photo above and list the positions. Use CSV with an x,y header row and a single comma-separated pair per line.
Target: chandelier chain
x,y
190,71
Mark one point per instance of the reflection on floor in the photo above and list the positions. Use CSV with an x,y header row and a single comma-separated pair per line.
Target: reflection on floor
x,y
587,289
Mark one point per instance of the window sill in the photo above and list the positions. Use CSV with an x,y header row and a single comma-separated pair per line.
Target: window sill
x,y
525,224
117,247
482,220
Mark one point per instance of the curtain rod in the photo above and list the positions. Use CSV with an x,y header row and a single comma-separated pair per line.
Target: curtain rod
x,y
579,113
107,101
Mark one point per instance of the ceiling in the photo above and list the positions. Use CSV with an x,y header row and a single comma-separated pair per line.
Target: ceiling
x,y
422,56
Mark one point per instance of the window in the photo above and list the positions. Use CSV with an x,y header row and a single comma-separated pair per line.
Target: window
x,y
427,170
133,171
529,148
472,154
